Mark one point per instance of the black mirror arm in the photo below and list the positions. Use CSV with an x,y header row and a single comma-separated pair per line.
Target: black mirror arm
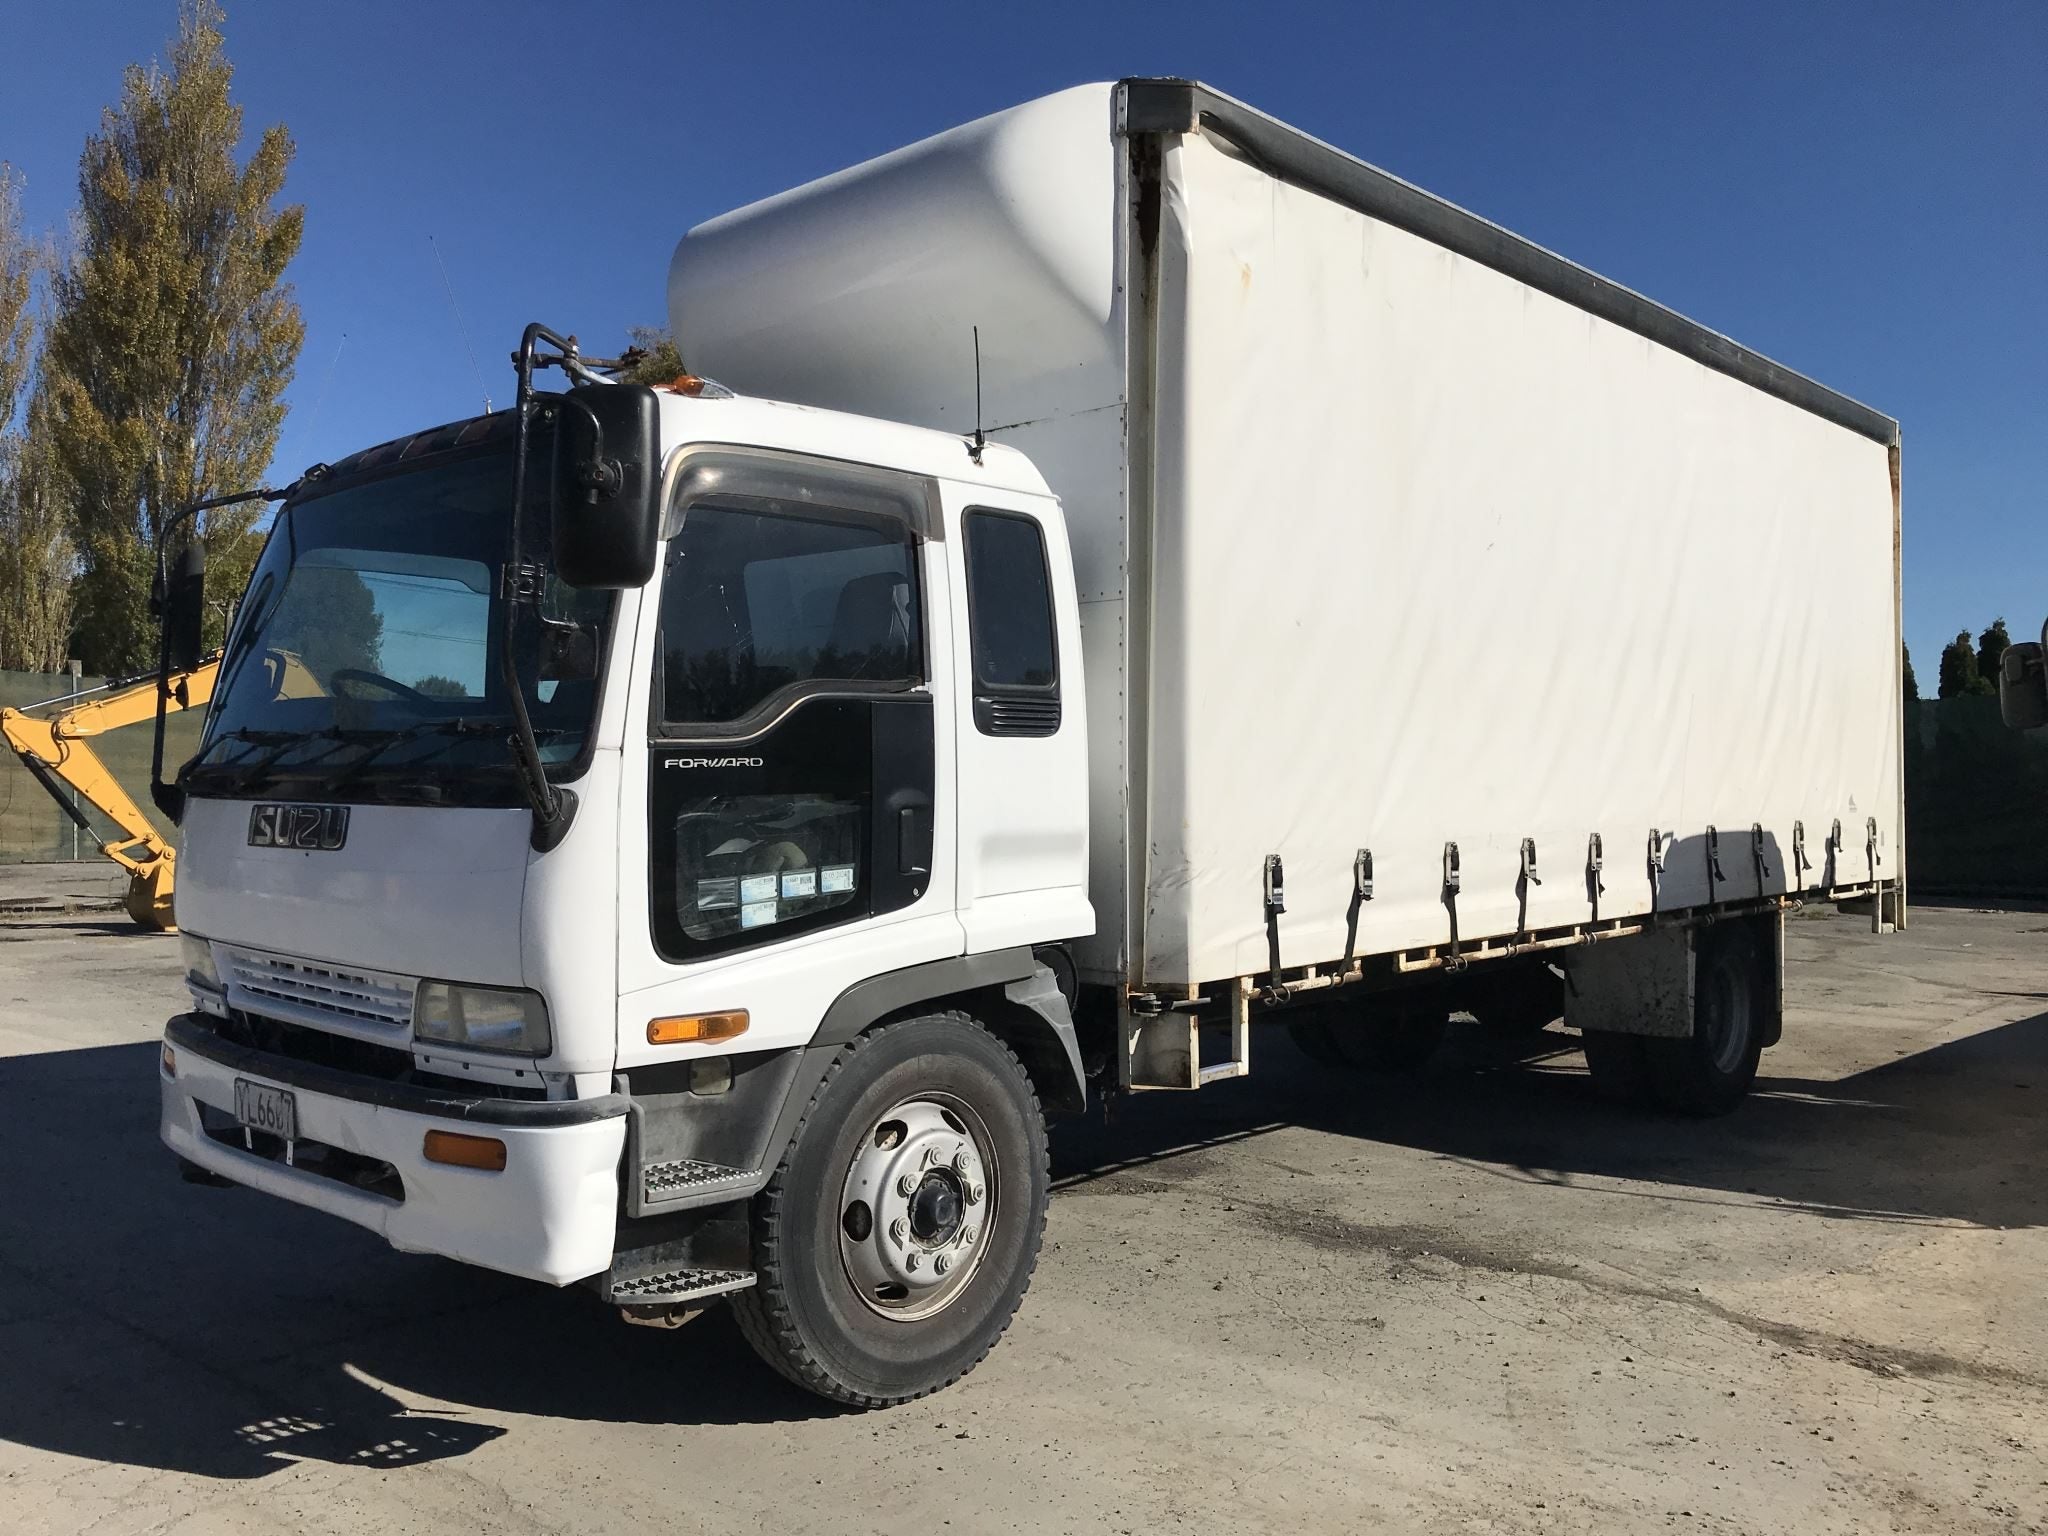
x,y
601,476
169,798
518,586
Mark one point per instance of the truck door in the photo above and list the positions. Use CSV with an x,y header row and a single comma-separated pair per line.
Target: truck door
x,y
793,774
1023,765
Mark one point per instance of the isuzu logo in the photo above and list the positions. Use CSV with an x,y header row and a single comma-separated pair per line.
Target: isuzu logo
x,y
712,762
298,826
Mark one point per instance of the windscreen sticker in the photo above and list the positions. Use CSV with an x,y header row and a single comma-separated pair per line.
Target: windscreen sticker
x,y
798,883
757,914
716,895
758,888
835,879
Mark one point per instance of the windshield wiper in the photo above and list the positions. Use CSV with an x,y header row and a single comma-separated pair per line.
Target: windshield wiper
x,y
243,771
377,742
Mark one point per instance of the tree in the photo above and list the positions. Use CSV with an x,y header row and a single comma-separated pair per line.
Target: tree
x,y
1912,688
174,334
663,360
1990,652
35,549
328,618
1959,675
435,686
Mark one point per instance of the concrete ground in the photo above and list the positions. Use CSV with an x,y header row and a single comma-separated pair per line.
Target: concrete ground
x,y
1479,1301
91,884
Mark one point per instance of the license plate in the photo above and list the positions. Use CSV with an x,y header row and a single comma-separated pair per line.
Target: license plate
x,y
263,1108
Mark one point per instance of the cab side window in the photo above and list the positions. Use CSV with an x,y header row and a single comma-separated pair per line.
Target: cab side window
x,y
1010,617
755,604
792,748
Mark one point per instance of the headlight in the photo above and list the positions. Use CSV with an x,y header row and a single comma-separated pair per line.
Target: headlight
x,y
199,961
482,1018
201,979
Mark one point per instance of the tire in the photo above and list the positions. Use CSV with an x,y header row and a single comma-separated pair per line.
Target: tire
x,y
1311,1034
1617,1066
816,1312
1522,1003
1364,1038
1711,1070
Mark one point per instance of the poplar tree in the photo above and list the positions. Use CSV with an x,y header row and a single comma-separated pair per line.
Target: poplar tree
x,y
35,548
1959,675
1991,648
174,335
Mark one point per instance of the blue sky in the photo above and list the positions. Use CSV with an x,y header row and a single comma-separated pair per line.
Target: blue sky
x,y
1859,190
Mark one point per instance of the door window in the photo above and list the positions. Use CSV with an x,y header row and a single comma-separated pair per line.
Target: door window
x,y
1009,612
759,605
792,771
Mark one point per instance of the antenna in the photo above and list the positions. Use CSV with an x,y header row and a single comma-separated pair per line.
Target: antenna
x,y
980,439
461,329
325,379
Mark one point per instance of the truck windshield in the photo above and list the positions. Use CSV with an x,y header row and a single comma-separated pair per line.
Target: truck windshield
x,y
364,661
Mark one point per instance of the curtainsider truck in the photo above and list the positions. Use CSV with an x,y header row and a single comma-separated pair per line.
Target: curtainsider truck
x,y
1139,572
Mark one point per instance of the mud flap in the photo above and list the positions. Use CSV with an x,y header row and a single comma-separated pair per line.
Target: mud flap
x,y
1641,985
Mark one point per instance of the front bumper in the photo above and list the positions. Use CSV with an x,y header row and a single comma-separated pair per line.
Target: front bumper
x,y
550,1215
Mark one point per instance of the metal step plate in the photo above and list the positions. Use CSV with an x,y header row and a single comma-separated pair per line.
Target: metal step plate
x,y
683,1177
671,1285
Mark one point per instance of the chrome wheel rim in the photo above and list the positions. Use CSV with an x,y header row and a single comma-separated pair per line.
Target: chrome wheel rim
x,y
920,1201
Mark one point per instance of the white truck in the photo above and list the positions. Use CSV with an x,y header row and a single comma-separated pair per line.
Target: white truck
x,y
1141,572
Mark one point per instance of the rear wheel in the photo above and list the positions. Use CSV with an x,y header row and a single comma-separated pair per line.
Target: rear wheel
x,y
1711,1070
1520,1001
1377,1036
1617,1066
898,1234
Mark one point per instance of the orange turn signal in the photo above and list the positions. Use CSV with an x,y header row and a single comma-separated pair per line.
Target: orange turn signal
x,y
696,1028
485,1152
170,1061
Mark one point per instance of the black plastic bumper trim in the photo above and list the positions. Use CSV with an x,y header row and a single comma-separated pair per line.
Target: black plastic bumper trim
x,y
186,1032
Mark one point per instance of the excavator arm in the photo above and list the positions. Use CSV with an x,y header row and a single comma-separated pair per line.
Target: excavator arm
x,y
59,754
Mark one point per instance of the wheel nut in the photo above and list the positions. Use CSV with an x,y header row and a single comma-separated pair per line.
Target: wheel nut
x,y
897,1231
929,1156
966,1236
910,1263
963,1162
973,1193
907,1185
942,1263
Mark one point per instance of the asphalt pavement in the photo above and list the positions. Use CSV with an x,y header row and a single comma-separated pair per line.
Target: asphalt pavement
x,y
1477,1300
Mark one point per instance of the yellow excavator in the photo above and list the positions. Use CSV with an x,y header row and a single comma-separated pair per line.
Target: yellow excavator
x,y
59,753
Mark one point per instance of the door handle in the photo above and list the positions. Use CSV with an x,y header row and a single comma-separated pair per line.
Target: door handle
x,y
914,840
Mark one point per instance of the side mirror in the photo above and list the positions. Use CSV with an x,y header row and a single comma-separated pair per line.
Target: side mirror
x,y
606,485
2023,686
184,613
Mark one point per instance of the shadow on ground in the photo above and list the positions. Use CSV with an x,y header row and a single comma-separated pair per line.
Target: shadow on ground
x,y
1957,1134
217,1332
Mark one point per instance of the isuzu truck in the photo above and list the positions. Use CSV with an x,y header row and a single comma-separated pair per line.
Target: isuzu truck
x,y
1117,572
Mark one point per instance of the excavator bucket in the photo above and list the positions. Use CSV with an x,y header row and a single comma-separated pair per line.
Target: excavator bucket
x,y
149,896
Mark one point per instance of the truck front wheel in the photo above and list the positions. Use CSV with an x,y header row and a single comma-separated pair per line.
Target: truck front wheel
x,y
900,1230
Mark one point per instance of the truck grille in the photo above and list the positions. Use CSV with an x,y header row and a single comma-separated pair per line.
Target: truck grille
x,y
324,996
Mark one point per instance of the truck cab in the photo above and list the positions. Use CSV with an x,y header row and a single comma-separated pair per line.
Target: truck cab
x,y
820,783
